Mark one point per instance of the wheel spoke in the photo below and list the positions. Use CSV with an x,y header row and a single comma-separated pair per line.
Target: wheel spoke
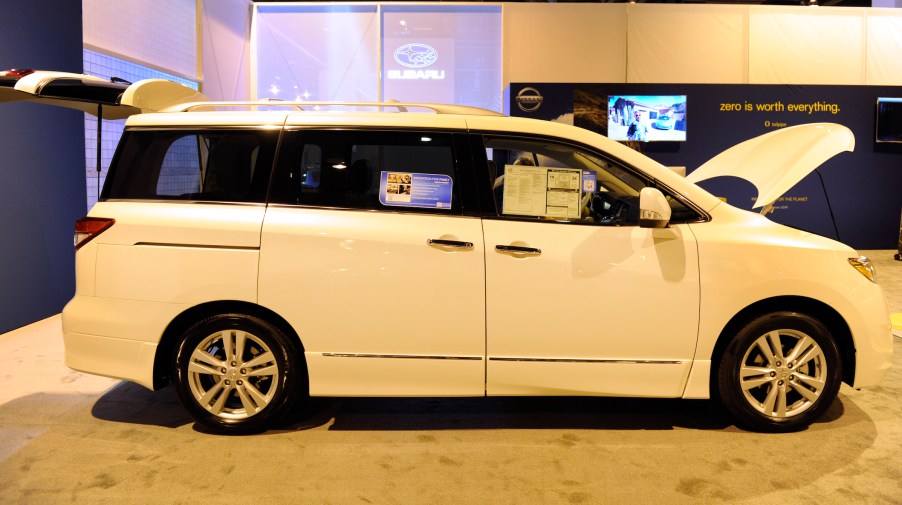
x,y
249,406
767,348
262,359
815,383
809,395
259,398
240,338
770,401
754,376
812,353
202,356
801,346
781,401
227,345
216,408
203,368
777,346
210,393
270,370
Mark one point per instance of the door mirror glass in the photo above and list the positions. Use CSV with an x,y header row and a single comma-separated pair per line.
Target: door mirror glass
x,y
654,211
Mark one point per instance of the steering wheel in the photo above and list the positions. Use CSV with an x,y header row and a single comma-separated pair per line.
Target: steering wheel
x,y
608,209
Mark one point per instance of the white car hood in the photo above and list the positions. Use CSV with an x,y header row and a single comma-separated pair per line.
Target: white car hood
x,y
777,161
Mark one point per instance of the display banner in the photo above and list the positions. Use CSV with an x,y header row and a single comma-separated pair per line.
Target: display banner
x,y
405,189
864,187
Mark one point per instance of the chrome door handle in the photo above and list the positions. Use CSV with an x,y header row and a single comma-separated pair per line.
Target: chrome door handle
x,y
449,244
516,250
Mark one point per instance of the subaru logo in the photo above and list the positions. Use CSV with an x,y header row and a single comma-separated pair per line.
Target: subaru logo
x,y
416,55
529,99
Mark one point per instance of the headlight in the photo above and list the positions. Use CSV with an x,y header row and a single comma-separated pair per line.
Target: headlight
x,y
863,265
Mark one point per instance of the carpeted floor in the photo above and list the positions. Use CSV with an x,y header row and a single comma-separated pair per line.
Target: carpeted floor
x,y
66,437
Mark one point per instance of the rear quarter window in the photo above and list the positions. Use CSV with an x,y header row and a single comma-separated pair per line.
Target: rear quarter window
x,y
219,165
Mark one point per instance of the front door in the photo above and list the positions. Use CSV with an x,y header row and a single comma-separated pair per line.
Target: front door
x,y
579,298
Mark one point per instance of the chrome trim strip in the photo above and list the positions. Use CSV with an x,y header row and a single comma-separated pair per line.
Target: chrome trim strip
x,y
604,361
198,246
175,201
398,356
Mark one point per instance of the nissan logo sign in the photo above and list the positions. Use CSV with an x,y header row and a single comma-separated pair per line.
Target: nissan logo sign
x,y
416,55
529,99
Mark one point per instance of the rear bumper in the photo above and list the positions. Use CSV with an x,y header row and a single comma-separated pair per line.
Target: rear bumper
x,y
118,358
115,338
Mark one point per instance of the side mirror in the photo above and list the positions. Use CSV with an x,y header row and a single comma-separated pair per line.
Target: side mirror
x,y
654,211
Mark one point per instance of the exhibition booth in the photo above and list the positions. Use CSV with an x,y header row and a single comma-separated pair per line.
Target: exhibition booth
x,y
743,70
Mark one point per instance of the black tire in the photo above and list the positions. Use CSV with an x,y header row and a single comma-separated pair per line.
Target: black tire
x,y
779,388
247,393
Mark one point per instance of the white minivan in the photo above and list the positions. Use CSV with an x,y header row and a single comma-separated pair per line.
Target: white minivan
x,y
257,254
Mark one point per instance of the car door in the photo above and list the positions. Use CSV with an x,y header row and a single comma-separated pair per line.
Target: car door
x,y
367,252
579,298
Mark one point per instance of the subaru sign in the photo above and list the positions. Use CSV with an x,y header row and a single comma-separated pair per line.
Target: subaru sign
x,y
416,55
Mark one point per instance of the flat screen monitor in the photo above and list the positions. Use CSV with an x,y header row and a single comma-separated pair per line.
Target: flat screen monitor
x,y
647,118
889,119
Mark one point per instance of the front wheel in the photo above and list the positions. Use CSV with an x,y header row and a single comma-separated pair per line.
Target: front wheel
x,y
236,373
780,373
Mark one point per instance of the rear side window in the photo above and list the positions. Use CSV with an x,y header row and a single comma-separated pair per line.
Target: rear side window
x,y
219,165
403,171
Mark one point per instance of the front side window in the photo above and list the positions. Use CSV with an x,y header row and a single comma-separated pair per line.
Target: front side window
x,y
406,171
219,165
546,180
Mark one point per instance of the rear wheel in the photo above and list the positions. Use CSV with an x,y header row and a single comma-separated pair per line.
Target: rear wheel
x,y
237,373
780,373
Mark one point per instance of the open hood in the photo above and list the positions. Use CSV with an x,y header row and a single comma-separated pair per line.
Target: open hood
x,y
777,161
87,93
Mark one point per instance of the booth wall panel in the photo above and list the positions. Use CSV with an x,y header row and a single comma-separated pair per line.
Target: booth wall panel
x,y
687,44
795,45
564,42
42,177
226,49
161,33
884,47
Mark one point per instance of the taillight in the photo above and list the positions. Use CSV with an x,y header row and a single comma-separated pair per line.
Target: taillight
x,y
87,228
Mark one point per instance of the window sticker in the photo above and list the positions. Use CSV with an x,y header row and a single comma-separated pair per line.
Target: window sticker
x,y
588,182
407,189
542,191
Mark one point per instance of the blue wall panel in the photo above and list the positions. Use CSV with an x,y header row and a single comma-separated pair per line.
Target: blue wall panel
x,y
42,166
864,187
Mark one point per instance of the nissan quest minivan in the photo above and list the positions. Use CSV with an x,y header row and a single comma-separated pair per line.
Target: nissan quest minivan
x,y
255,254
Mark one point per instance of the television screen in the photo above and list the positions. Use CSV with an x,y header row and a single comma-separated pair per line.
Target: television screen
x,y
889,119
647,118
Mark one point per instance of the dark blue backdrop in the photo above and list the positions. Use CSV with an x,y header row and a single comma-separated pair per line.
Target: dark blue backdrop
x,y
42,165
864,187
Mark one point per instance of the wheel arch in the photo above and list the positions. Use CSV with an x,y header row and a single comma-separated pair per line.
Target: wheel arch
x,y
809,306
183,321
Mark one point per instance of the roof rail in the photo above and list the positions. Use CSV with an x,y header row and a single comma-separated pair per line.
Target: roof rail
x,y
304,106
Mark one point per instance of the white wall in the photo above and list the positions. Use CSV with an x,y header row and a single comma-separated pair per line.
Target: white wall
x,y
687,43
558,42
226,34
719,44
158,33
564,42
